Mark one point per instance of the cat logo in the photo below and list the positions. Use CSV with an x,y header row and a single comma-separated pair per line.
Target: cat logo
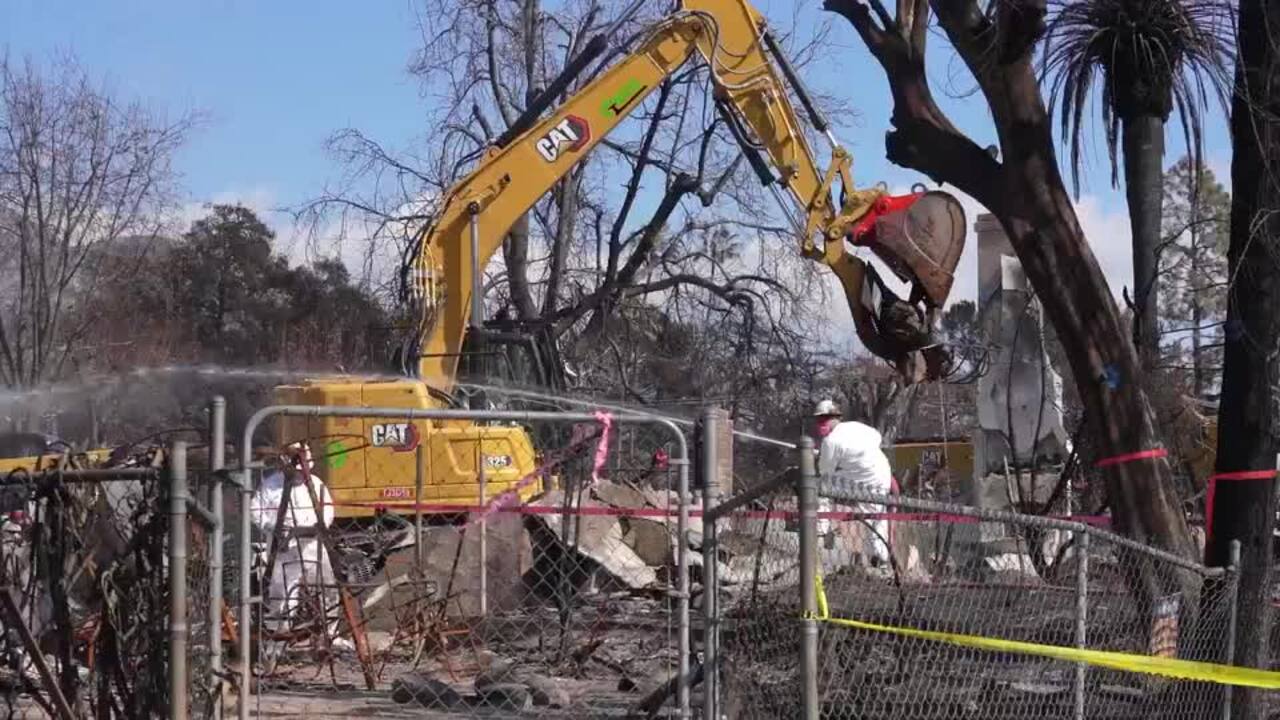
x,y
931,458
571,133
401,437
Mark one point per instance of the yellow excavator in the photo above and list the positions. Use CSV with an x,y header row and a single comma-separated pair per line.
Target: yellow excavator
x,y
370,463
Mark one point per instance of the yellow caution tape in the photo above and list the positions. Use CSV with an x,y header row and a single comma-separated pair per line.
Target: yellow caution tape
x,y
823,612
1128,662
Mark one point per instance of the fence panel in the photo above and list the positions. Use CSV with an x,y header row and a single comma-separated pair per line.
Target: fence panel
x,y
759,578
85,592
202,619
552,594
1019,578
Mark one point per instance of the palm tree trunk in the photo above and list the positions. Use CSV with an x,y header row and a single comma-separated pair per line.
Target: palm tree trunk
x,y
1143,142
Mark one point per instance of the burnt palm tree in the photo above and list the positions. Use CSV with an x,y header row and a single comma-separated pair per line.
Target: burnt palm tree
x,y
1151,57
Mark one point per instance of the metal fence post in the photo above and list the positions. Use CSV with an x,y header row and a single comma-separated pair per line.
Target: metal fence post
x,y
807,496
178,580
1082,616
1233,595
246,579
217,460
418,480
483,550
710,585
682,588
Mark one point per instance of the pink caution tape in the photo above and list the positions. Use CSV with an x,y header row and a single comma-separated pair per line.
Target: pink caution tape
x,y
1212,490
589,511
1130,457
506,499
602,448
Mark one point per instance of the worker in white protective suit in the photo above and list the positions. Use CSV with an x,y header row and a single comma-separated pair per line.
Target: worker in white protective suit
x,y
850,457
300,560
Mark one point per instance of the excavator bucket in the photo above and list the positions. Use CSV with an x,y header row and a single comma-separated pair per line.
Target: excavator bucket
x,y
920,238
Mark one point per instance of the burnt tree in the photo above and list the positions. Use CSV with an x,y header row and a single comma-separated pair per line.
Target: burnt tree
x,y
1247,416
1024,189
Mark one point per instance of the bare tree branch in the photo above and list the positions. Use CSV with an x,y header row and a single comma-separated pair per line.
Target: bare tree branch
x,y
79,174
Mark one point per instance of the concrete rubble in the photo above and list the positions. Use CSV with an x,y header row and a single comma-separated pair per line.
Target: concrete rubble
x,y
637,552
605,637
640,551
597,537
425,691
503,674
502,687
506,696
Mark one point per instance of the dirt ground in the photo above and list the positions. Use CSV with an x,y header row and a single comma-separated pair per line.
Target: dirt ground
x,y
619,648
378,704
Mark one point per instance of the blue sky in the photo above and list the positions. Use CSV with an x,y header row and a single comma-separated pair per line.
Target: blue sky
x,y
274,79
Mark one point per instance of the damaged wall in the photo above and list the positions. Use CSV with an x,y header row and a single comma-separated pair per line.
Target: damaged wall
x,y
1020,395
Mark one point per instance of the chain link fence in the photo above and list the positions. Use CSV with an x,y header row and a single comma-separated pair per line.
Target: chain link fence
x,y
566,587
750,572
552,590
90,587
757,557
897,563
195,610
1011,577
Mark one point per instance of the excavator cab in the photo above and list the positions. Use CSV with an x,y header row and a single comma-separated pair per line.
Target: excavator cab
x,y
919,237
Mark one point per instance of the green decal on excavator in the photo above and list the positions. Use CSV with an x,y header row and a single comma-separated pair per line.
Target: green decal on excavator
x,y
335,455
614,106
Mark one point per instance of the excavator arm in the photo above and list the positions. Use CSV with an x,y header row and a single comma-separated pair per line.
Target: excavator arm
x,y
918,236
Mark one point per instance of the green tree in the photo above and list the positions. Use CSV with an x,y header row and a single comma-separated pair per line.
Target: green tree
x,y
1193,292
231,285
221,294
1152,57
331,322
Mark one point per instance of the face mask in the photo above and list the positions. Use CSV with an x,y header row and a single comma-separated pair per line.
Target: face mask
x,y
826,425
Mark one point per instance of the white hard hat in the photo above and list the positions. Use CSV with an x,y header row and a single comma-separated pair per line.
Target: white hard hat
x,y
826,408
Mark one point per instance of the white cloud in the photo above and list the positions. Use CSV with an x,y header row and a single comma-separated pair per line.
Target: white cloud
x,y
1220,164
258,198
358,241
1106,231
1108,234
343,237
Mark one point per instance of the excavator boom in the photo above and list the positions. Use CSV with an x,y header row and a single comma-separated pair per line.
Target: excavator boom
x,y
368,463
920,244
